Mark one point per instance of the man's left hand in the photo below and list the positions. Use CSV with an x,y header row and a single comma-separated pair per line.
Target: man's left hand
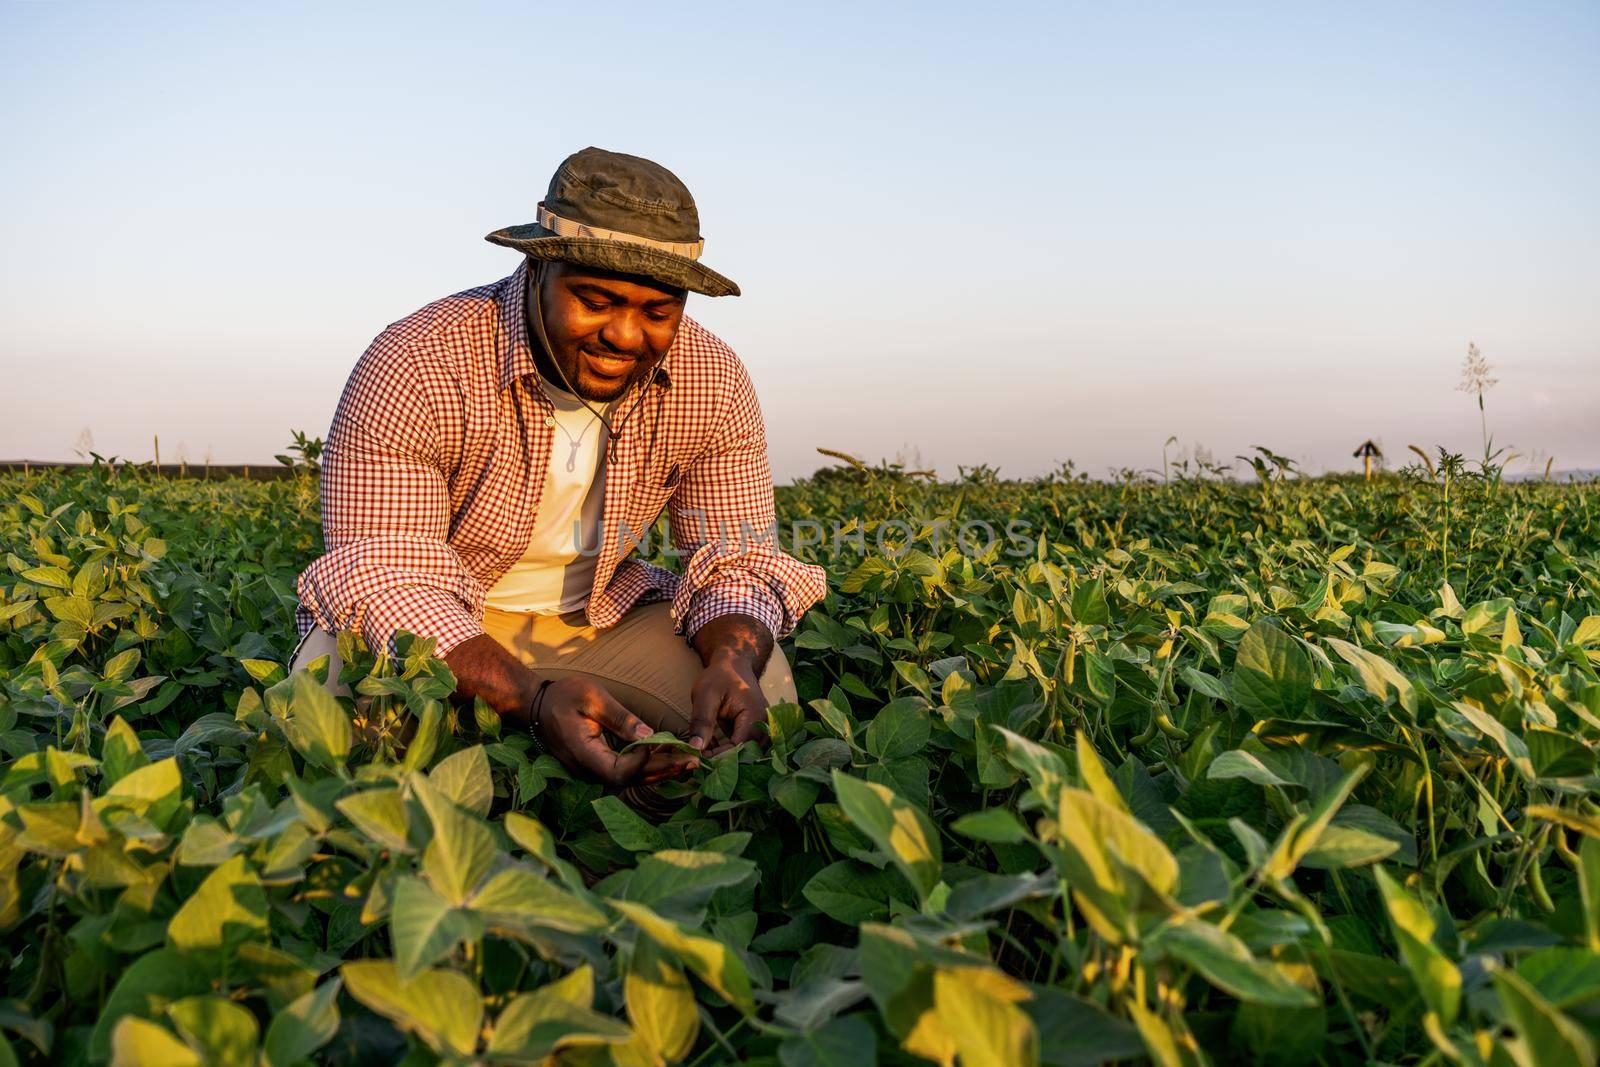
x,y
727,695
726,700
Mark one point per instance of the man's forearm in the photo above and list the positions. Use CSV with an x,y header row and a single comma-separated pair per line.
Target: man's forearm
x,y
735,636
485,668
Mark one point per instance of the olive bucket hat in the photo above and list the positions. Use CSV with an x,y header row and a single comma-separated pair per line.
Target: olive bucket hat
x,y
618,212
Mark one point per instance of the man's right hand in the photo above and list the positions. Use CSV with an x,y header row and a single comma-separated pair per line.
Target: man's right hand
x,y
576,715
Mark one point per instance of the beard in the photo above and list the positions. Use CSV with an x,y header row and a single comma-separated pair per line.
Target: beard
x,y
601,377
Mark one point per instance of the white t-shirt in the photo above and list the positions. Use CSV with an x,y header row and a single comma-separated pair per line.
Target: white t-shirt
x,y
556,571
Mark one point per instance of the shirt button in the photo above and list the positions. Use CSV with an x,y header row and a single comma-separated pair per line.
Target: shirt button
x,y
549,420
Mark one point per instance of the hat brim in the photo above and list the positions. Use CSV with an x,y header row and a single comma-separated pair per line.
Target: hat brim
x,y
665,267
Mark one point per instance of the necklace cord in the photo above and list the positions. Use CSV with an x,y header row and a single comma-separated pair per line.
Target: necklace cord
x,y
612,432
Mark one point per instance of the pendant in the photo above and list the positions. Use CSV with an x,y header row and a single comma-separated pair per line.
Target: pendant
x,y
572,457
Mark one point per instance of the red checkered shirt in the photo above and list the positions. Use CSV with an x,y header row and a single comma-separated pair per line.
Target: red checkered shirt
x,y
435,463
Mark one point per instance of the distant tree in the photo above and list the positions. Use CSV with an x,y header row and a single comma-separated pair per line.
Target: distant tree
x,y
1368,452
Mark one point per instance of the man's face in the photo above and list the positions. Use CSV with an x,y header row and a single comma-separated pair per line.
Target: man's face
x,y
607,330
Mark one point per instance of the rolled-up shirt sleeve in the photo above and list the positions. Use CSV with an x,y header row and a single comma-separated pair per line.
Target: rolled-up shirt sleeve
x,y
723,520
388,564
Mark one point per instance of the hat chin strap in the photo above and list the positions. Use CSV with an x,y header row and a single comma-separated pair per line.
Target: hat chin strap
x,y
612,432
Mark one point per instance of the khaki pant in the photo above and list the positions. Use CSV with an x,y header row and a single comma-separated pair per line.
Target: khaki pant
x,y
640,661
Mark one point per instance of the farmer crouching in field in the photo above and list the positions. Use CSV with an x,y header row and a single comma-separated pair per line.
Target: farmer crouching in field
x,y
496,454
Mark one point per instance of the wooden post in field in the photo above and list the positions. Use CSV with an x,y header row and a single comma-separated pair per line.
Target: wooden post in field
x,y
1368,452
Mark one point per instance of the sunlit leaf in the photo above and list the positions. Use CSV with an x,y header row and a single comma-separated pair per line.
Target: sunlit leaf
x,y
903,832
711,960
441,1007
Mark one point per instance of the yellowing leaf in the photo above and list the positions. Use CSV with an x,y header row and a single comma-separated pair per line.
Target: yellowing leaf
x,y
318,727
1112,858
902,831
464,778
539,1024
518,897
532,835
660,1003
1224,961
381,815
225,1033
425,927
978,1009
1436,977
154,791
441,1007
137,1042
1378,676
716,964
461,850
1094,777
229,907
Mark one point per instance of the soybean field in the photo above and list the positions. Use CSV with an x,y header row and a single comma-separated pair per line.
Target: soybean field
x,y
1279,770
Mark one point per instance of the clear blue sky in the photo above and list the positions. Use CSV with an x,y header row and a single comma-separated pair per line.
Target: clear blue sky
x,y
1012,234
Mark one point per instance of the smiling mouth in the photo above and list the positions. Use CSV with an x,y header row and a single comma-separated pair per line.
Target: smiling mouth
x,y
608,366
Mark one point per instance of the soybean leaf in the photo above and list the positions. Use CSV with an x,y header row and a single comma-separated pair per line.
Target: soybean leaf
x,y
850,892
464,777
318,727
443,1008
676,879
992,824
516,897
1074,1032
381,815
1435,976
1378,676
844,1042
137,1042
982,1012
1224,961
1548,1037
626,827
660,1002
152,979
539,1024
1565,976
901,831
308,1023
714,962
461,850
661,739
425,927
1359,835
901,728
1272,675
224,1033
230,907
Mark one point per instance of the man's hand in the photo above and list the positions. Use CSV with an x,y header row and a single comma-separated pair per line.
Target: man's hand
x,y
574,718
734,649
576,715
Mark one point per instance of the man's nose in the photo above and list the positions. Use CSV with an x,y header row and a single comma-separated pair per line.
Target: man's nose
x,y
623,333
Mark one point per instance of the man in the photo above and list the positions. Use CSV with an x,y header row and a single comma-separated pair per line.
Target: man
x,y
496,457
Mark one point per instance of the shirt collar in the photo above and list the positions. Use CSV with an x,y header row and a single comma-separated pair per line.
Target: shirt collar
x,y
516,355
516,358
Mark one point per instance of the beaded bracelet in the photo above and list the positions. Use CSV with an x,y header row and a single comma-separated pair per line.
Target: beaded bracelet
x,y
538,709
